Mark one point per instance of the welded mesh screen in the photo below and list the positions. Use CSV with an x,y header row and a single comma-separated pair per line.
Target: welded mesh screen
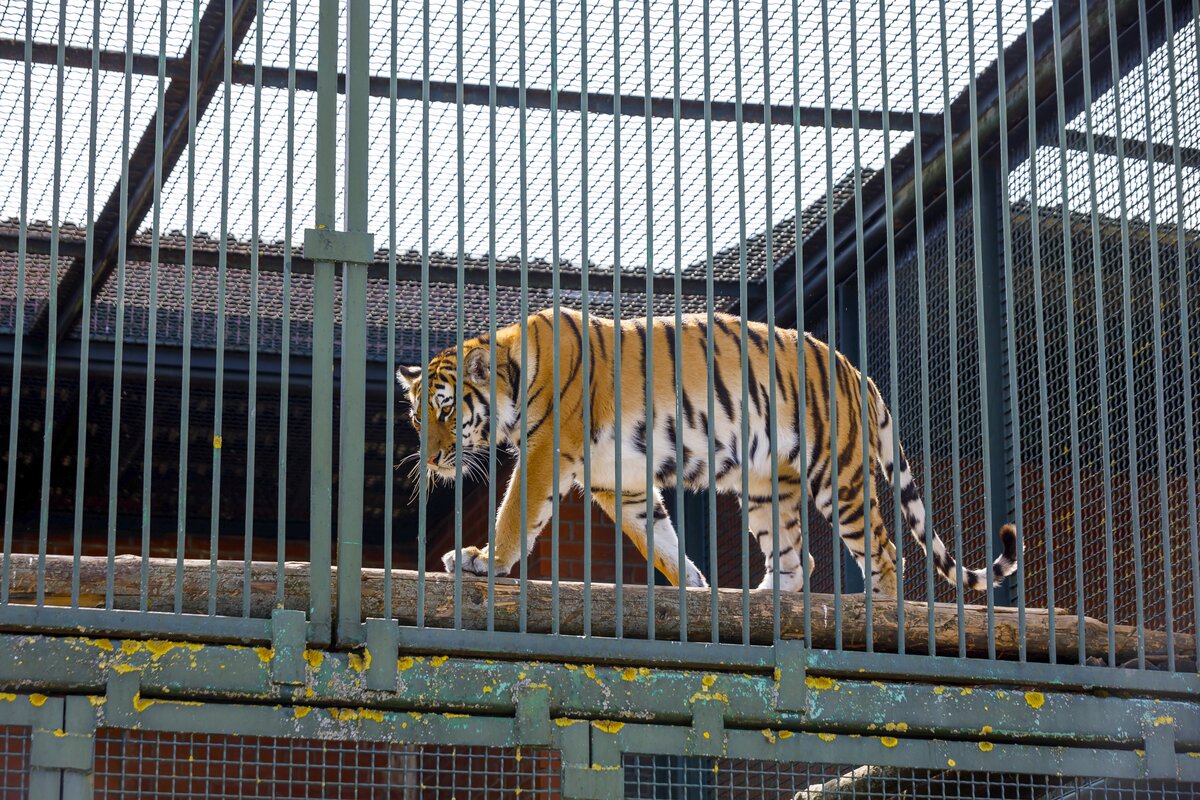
x,y
653,777
137,764
14,762
1118,236
952,468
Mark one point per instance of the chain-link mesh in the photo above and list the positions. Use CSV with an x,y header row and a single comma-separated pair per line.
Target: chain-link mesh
x,y
653,777
14,762
138,764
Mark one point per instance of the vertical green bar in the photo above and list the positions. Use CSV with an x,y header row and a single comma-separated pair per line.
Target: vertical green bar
x,y
952,314
19,337
52,310
801,339
352,403
769,278
252,388
223,266
1048,522
1101,344
285,350
648,340
556,361
1014,400
185,390
523,600
1127,310
1156,305
86,316
898,524
321,506
119,336
831,318
585,324
985,259
1069,302
744,409
680,457
710,421
492,290
922,326
423,412
618,332
860,313
152,333
389,457
460,323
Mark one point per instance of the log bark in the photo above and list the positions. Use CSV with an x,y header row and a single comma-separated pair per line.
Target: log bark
x,y
160,593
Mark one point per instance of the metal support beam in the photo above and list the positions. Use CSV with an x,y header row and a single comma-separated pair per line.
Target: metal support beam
x,y
475,272
477,94
108,232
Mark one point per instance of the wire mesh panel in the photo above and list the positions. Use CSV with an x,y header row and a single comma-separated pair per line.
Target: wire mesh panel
x,y
153,765
14,762
648,777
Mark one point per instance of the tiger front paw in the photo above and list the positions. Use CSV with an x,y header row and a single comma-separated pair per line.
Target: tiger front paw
x,y
474,561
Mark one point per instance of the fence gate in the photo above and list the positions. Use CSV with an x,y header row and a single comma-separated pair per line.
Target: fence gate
x,y
334,336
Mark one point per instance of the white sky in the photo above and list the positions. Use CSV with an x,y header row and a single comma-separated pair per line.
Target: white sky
x,y
443,154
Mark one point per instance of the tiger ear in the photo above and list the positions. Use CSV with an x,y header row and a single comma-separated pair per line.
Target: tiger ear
x,y
406,376
476,367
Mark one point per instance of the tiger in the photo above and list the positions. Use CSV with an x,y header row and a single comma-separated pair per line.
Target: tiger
x,y
796,460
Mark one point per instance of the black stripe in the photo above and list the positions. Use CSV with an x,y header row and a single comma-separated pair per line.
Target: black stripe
x,y
756,337
669,332
599,336
723,394
689,413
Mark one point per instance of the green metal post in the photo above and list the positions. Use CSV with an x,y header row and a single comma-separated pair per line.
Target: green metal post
x,y
352,403
321,488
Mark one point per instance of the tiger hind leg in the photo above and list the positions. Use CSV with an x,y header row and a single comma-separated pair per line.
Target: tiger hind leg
x,y
883,551
666,543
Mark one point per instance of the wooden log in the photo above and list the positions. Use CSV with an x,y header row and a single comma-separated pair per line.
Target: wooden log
x,y
439,608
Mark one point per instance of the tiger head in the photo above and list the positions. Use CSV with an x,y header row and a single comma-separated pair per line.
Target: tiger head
x,y
435,387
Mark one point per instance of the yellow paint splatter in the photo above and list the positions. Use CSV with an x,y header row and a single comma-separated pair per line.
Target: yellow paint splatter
x,y
487,690
7,696
643,672
301,711
571,667
939,690
60,733
1159,721
818,683
437,661
103,644
520,676
889,741
879,684
1001,695
985,730
159,648
405,663
776,674
608,726
130,646
343,714
217,440
565,722
1035,699
449,715
415,714
140,704
1193,755
985,747
950,762
630,674
896,726
590,671
827,737
359,663
1140,753
308,692
708,680
125,668
966,690
785,734
314,658
718,696
97,700
769,735
38,700
265,654
371,714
